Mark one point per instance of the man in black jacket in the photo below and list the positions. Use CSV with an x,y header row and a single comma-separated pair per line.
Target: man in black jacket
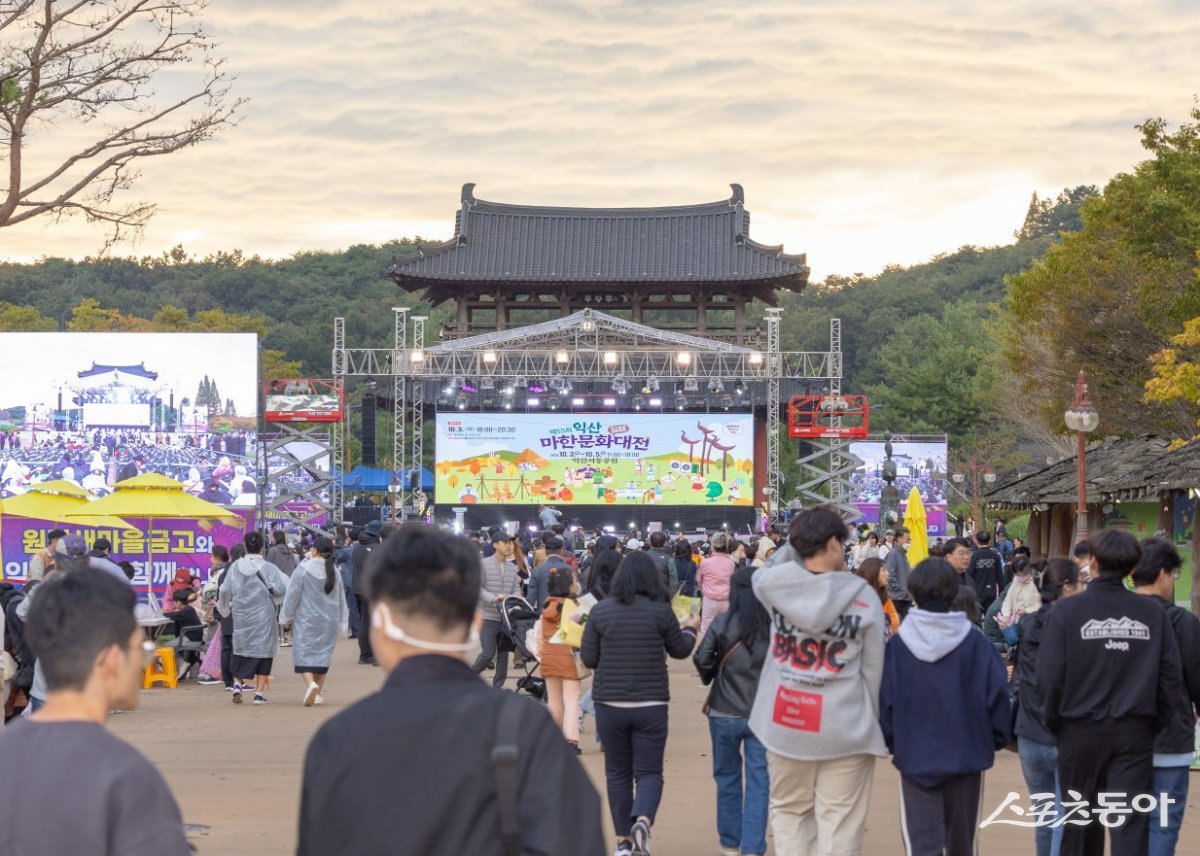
x,y
987,571
662,560
1155,578
437,762
368,541
1109,676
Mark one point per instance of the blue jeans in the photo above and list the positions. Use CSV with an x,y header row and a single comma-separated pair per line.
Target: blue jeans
x,y
1172,781
741,815
1039,764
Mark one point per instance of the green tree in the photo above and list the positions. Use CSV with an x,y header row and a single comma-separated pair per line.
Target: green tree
x,y
1046,218
24,319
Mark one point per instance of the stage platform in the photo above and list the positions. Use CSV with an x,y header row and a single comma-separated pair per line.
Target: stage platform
x,y
622,519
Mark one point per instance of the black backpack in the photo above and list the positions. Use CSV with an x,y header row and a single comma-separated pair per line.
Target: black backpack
x,y
14,639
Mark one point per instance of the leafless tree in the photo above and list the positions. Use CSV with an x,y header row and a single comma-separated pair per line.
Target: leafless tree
x,y
93,64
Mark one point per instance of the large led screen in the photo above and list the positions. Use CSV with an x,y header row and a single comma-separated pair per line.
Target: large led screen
x,y
595,459
98,408
920,463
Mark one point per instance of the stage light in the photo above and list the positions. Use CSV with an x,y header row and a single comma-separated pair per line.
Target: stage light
x,y
676,524
610,358
691,385
487,383
449,390
533,402
726,401
562,358
610,529
620,384
681,401
508,405
520,383
610,402
715,386
508,390
457,382
553,401
638,402
417,356
558,383
653,384
739,390
489,357
684,358
656,402
461,402
577,402
756,358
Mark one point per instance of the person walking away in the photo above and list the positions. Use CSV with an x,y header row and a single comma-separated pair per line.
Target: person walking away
x,y
712,579
500,580
1155,577
663,560
986,570
249,590
627,639
896,562
1110,678
683,568
876,576
92,653
944,710
225,628
1058,579
342,561
539,577
280,554
315,609
730,658
368,541
513,779
558,661
817,706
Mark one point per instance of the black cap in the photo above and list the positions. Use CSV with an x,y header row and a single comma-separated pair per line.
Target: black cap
x,y
553,543
55,533
499,534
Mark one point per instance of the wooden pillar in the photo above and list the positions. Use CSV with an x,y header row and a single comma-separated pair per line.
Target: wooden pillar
x,y
701,312
564,305
464,315
636,301
501,311
1033,537
739,317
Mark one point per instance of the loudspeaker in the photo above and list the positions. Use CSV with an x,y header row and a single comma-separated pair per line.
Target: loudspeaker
x,y
368,430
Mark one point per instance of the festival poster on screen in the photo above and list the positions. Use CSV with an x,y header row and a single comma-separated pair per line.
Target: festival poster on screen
x,y
595,458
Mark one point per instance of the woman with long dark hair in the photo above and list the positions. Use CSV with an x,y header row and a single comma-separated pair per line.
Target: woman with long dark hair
x,y
685,568
1056,579
731,658
600,576
315,608
627,639
876,574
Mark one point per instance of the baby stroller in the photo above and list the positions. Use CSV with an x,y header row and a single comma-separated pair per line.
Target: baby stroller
x,y
517,618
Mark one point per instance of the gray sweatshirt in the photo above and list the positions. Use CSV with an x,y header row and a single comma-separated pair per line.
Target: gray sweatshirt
x,y
818,694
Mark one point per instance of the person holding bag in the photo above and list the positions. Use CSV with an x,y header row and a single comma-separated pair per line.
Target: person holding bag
x,y
730,658
559,662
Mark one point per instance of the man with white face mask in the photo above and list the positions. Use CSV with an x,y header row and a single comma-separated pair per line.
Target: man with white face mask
x,y
481,771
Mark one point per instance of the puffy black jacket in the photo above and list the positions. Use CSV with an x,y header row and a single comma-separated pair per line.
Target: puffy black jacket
x,y
1179,736
627,645
734,683
367,543
1029,709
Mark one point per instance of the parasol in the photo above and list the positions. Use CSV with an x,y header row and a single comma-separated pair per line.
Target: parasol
x,y
915,523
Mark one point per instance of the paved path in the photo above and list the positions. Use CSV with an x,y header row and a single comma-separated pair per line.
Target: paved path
x,y
236,769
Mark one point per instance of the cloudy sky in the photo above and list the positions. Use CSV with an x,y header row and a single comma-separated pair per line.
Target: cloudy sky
x,y
864,132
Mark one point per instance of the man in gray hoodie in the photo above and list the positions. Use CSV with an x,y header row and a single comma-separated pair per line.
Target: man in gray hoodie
x,y
817,706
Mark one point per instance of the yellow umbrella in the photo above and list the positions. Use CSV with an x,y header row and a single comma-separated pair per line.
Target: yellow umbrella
x,y
914,522
155,497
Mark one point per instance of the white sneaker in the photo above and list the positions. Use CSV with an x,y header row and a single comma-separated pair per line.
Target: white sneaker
x,y
730,851
237,695
310,694
319,700
260,699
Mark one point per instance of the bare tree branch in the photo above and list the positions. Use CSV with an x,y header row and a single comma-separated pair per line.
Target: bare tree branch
x,y
95,62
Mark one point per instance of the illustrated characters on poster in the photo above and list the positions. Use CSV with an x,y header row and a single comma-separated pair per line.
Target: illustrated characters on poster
x,y
627,460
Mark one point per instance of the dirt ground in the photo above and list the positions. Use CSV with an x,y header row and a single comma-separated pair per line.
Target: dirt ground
x,y
236,769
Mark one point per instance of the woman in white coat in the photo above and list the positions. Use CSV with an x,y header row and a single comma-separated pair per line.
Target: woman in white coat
x,y
315,609
247,592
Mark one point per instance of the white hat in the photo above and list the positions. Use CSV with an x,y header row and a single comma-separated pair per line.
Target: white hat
x,y
633,544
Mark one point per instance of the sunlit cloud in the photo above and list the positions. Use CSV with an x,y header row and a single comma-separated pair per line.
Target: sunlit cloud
x,y
865,133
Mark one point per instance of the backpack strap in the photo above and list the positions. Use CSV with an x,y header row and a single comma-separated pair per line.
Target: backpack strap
x,y
506,769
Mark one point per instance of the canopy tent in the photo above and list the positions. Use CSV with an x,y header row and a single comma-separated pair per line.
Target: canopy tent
x,y
61,502
156,497
918,528
372,479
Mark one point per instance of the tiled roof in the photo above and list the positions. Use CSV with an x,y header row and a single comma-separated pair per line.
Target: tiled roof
x,y
520,243
139,370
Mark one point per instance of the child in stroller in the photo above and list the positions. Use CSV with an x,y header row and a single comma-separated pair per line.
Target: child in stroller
x,y
517,618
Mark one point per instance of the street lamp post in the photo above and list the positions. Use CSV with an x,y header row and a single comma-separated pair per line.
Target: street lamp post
x,y
1082,418
976,469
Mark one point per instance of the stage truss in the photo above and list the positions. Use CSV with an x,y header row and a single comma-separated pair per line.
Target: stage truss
x,y
591,346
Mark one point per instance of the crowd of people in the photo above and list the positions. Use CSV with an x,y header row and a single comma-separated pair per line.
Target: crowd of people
x,y
823,651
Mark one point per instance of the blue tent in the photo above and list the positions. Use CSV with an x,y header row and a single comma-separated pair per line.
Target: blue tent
x,y
372,479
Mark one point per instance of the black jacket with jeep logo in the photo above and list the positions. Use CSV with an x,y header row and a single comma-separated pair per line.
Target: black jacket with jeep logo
x,y
1108,654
